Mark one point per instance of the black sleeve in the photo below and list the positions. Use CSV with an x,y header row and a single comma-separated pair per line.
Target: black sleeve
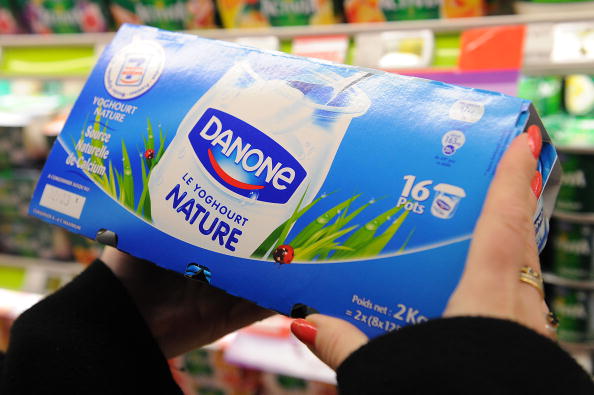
x,y
87,338
466,355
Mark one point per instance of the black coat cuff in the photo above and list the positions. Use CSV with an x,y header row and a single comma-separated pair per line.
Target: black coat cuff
x,y
464,355
86,338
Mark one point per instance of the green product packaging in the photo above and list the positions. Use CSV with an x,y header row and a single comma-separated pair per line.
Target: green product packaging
x,y
287,12
264,13
572,244
573,308
65,16
572,133
165,14
576,194
544,92
556,125
357,11
410,10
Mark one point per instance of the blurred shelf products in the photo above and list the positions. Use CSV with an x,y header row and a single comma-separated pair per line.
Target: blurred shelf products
x,y
28,108
40,77
93,16
566,103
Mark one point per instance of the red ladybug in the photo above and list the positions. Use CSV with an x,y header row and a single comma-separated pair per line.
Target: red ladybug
x,y
283,254
149,153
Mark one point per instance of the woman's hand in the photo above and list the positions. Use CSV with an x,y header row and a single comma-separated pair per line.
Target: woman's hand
x,y
181,314
503,242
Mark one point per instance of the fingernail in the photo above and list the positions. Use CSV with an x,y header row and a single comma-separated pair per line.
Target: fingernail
x,y
536,184
534,140
304,331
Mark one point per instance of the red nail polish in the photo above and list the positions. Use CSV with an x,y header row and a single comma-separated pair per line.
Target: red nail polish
x,y
304,331
534,140
536,184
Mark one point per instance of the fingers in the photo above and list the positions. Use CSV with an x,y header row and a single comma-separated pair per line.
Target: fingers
x,y
504,242
505,231
331,339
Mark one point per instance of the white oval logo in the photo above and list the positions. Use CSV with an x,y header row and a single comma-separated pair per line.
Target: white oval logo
x,y
452,141
134,69
467,111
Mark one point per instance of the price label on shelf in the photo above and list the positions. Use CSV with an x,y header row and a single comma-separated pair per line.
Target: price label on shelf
x,y
573,42
538,44
330,48
395,49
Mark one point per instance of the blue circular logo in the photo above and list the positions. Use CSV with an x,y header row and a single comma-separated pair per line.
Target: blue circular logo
x,y
449,150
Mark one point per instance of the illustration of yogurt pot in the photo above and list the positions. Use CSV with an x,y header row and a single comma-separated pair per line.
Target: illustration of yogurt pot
x,y
446,200
249,151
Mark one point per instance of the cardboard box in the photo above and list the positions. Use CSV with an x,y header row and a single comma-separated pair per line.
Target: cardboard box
x,y
288,181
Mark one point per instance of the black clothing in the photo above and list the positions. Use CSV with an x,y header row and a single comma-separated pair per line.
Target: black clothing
x,y
465,355
86,338
89,338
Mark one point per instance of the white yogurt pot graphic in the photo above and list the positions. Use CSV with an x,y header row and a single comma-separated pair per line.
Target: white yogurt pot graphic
x,y
446,200
256,144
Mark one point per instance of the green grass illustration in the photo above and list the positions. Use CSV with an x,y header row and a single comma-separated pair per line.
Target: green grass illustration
x,y
120,184
318,240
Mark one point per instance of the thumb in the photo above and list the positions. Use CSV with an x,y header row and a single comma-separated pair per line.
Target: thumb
x,y
330,339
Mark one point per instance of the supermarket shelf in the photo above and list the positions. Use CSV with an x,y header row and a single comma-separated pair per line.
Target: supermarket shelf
x,y
581,218
98,40
558,68
437,25
551,278
43,77
47,265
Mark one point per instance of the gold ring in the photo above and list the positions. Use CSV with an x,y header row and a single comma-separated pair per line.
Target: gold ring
x,y
531,277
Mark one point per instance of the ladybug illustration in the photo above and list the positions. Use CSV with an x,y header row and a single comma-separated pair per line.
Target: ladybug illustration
x,y
149,153
283,254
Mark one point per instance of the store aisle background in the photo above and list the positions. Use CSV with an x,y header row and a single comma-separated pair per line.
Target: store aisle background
x,y
48,48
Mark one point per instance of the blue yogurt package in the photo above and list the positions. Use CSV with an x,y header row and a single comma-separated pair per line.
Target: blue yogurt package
x,y
288,181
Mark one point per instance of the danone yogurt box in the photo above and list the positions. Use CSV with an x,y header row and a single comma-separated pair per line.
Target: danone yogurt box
x,y
296,183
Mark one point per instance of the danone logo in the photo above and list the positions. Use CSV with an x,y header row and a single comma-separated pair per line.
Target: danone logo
x,y
245,160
